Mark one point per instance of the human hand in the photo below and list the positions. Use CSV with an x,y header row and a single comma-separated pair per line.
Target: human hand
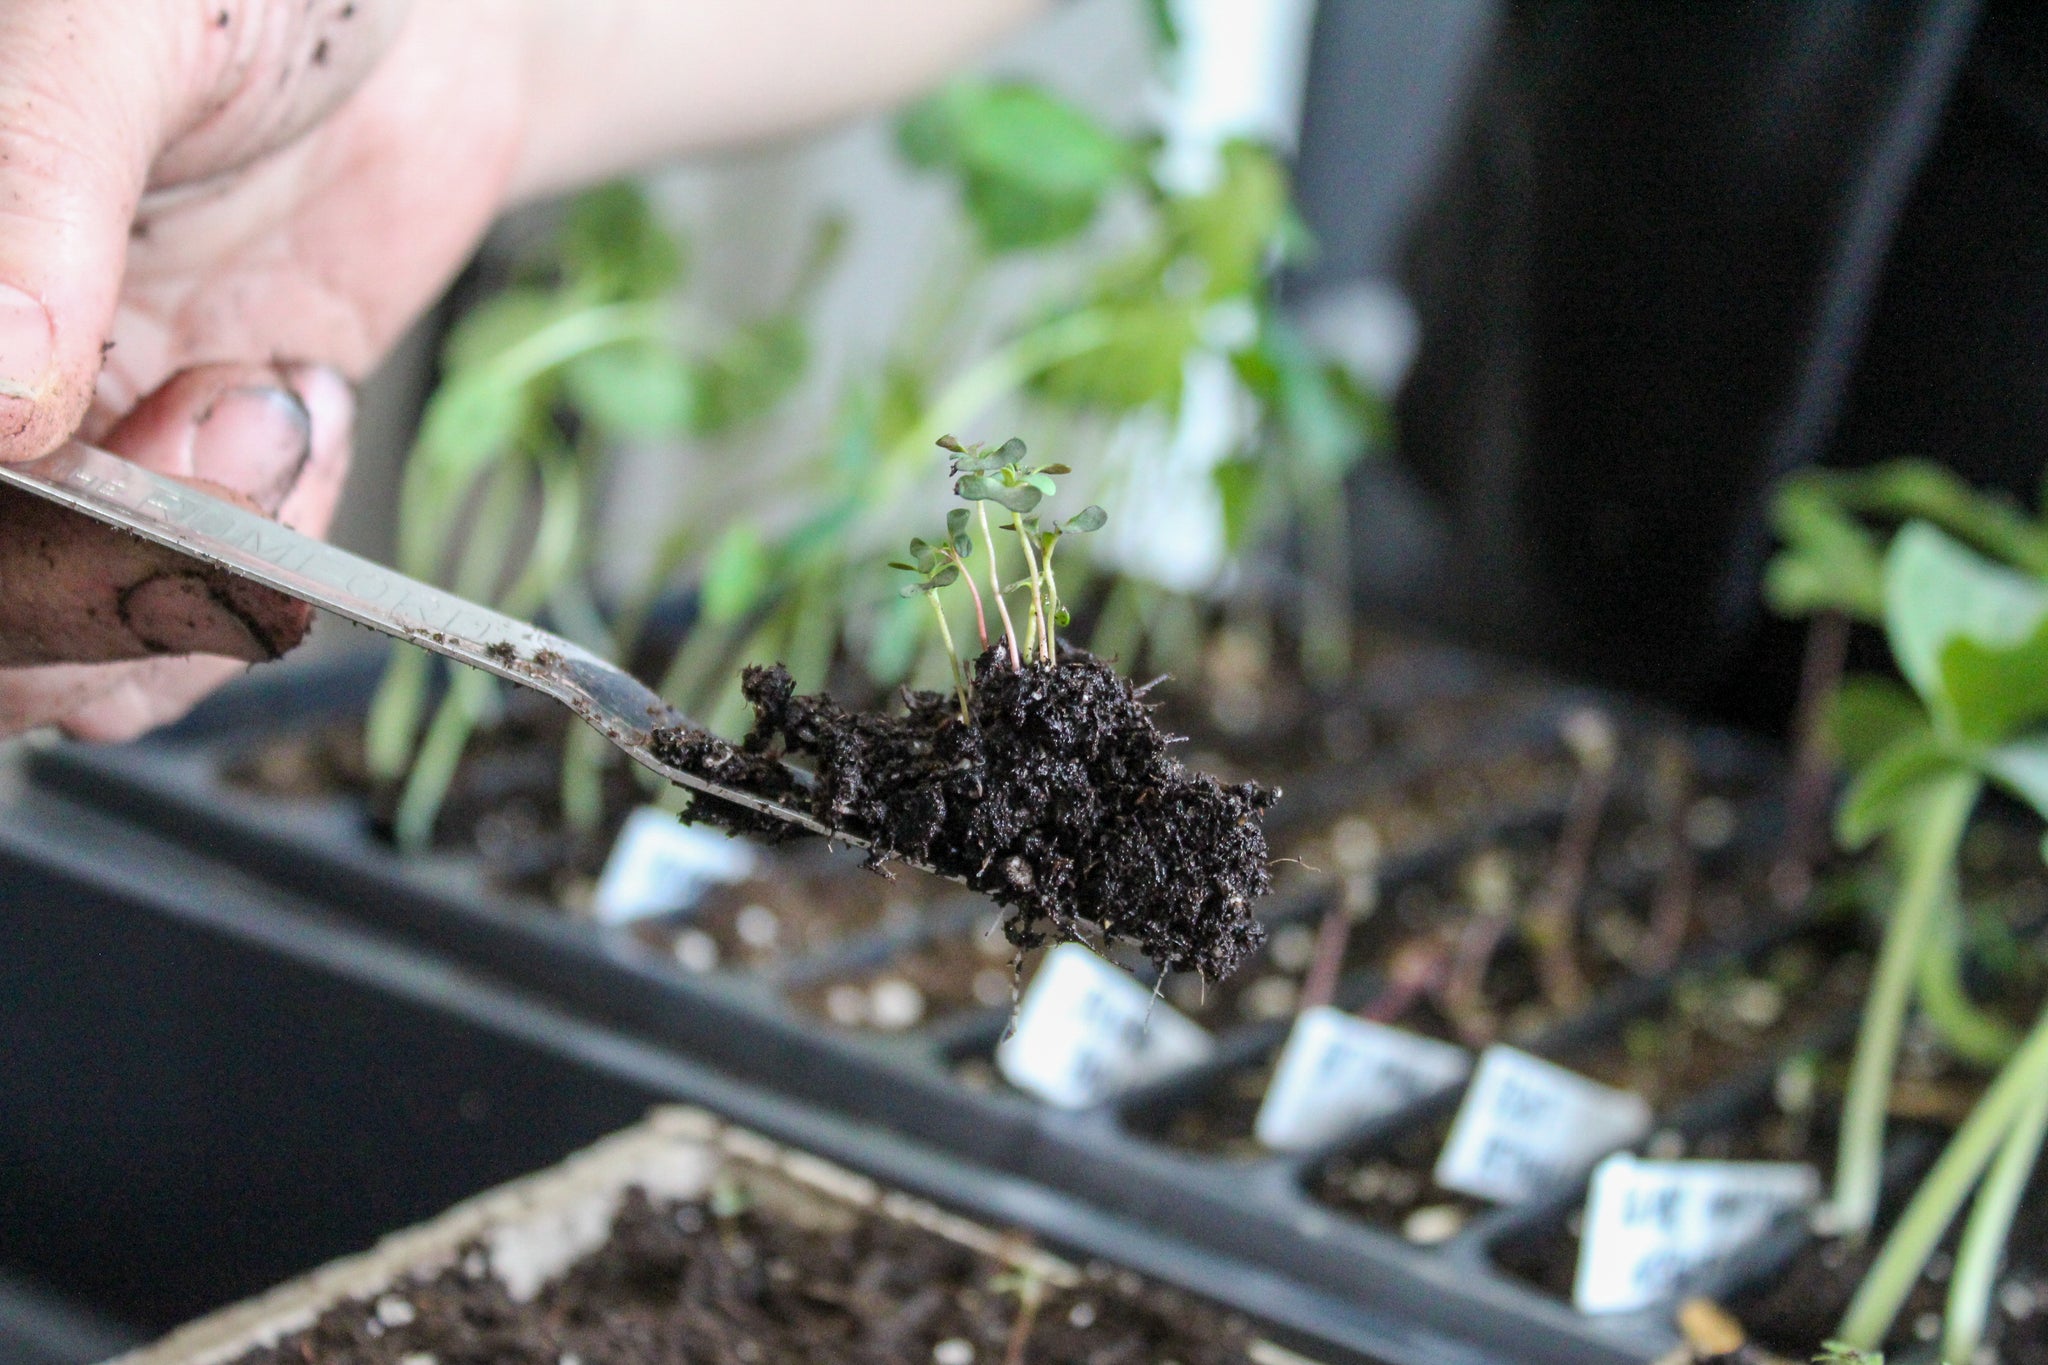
x,y
214,214
188,188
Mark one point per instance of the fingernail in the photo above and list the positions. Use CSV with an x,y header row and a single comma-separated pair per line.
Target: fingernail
x,y
210,612
26,344
254,440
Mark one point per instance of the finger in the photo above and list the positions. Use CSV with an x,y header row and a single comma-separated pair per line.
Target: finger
x,y
102,102
136,698
84,103
74,590
158,691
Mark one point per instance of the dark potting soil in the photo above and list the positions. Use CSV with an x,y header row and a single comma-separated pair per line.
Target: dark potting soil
x,y
1717,1025
1714,1026
938,980
503,808
1251,713
791,908
1548,1257
1391,1186
697,1284
1058,799
1802,1305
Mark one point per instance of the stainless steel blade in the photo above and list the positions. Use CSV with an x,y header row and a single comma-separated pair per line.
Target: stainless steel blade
x,y
174,514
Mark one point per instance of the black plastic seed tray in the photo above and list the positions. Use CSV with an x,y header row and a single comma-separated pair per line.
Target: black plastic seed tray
x,y
208,1087
1501,776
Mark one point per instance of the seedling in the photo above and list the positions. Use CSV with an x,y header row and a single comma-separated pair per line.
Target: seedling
x,y
1551,922
1355,853
941,566
1971,638
1489,888
1028,1284
1042,782
1002,477
1671,904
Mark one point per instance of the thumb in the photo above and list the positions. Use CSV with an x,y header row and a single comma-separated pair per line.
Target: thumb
x,y
86,92
78,591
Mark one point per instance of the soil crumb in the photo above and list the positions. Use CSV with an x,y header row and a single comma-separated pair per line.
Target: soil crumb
x,y
1058,799
704,1284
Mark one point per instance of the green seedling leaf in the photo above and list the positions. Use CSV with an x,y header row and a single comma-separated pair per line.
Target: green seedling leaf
x,y
1020,499
1829,562
1883,792
1871,714
981,488
907,568
735,574
923,553
1327,420
1009,217
498,324
1998,691
2021,767
613,248
946,577
957,533
471,421
1042,483
1034,168
1232,229
1011,452
1062,618
1937,592
1054,469
1238,482
640,390
976,462
1906,490
1089,518
1140,363
754,372
951,443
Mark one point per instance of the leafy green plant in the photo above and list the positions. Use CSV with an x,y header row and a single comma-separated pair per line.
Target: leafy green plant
x,y
981,477
538,384
583,353
1971,638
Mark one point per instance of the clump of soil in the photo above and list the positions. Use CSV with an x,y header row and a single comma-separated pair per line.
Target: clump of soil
x,y
705,1284
1057,798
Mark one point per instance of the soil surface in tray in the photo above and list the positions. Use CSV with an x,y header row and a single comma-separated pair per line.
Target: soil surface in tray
x,y
1802,1304
791,908
1055,795
936,980
1710,1030
1794,1125
697,1284
502,809
1252,715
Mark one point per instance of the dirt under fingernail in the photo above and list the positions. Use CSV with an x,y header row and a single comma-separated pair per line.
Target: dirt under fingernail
x,y
210,612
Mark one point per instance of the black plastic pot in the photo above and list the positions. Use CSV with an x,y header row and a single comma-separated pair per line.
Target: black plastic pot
x,y
1251,1213
207,1087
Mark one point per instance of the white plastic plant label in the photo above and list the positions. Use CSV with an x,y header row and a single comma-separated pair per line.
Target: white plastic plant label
x,y
659,865
1527,1123
1087,1029
1650,1225
1339,1072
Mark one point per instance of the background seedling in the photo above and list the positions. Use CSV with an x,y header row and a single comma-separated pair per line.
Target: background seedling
x,y
1551,922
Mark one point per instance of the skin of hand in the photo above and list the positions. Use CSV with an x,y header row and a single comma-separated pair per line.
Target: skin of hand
x,y
214,217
